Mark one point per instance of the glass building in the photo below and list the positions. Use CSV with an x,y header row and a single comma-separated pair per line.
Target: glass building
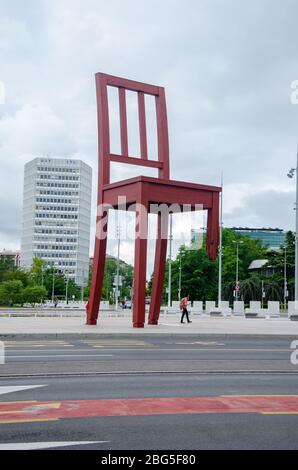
x,y
56,215
271,237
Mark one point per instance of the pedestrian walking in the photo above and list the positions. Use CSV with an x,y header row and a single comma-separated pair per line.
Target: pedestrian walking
x,y
183,308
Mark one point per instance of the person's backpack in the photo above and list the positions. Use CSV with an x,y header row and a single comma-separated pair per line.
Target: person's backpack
x,y
181,304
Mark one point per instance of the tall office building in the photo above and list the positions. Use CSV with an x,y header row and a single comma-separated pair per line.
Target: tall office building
x,y
56,215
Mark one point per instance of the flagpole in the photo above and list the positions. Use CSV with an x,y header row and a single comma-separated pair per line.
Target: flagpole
x,y
220,248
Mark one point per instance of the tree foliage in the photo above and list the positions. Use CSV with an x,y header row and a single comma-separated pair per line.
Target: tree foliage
x,y
199,275
34,295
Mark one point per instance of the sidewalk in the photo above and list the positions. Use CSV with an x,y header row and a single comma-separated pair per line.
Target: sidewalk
x,y
114,325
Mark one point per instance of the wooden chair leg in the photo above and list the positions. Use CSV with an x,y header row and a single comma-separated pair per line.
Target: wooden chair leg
x,y
140,267
159,269
212,240
97,272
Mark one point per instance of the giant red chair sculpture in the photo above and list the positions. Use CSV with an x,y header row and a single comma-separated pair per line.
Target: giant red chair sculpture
x,y
142,191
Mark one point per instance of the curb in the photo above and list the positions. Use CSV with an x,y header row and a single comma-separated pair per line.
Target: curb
x,y
124,373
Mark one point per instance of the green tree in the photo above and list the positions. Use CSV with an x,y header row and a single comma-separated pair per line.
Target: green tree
x,y
34,294
276,260
11,293
37,271
125,270
18,275
6,266
199,275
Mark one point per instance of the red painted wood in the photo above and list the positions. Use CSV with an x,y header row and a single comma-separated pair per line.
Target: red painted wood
x,y
160,181
123,122
103,132
140,262
98,269
135,161
159,269
162,133
142,126
131,85
145,189
212,239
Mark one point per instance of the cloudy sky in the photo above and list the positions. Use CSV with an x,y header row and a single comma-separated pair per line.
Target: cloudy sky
x,y
227,66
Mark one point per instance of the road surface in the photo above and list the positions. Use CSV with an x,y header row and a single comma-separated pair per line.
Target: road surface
x,y
216,399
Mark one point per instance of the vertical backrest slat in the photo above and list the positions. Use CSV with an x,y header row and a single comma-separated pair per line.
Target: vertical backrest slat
x,y
162,133
123,121
103,128
142,89
142,126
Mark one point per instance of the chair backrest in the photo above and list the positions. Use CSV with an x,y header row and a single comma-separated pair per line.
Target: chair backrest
x,y
142,89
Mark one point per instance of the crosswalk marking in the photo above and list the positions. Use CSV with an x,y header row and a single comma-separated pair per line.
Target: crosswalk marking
x,y
16,388
45,445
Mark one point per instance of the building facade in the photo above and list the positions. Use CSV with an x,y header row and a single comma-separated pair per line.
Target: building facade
x,y
13,255
271,237
56,215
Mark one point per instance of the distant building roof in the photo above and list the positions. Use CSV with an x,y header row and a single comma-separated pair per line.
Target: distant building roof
x,y
258,263
270,237
9,252
254,229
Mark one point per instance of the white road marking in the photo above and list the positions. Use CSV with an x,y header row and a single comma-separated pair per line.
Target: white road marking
x,y
44,445
17,388
62,355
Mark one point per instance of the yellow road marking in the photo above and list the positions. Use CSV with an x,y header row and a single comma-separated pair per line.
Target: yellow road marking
x,y
34,407
278,412
18,402
265,395
47,406
27,420
34,342
8,346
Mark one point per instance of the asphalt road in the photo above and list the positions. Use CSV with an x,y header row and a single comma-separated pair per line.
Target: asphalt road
x,y
195,393
155,354
212,430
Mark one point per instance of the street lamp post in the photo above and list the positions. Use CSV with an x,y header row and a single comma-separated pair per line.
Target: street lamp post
x,y
170,264
220,249
53,284
66,289
285,279
118,266
238,242
82,286
291,175
180,275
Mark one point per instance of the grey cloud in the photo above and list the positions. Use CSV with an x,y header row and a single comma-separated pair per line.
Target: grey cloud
x,y
227,68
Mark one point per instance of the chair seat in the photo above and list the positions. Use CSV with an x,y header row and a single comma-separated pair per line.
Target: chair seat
x,y
157,190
